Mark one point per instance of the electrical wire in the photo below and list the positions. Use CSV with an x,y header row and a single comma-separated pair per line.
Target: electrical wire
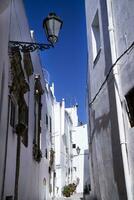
x,y
128,50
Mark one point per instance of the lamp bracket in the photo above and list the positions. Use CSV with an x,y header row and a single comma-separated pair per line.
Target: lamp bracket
x,y
29,46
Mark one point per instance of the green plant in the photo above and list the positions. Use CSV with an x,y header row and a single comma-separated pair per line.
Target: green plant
x,y
72,187
68,190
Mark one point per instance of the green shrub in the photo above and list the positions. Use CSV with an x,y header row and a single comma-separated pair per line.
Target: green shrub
x,y
68,190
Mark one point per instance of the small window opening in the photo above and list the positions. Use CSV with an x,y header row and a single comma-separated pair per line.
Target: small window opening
x,y
9,197
74,146
46,121
46,154
130,104
50,124
96,43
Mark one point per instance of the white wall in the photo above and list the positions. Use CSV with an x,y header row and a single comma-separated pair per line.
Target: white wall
x,y
81,161
63,146
107,175
32,173
72,111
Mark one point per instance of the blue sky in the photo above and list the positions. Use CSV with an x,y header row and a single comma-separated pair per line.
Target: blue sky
x,y
67,62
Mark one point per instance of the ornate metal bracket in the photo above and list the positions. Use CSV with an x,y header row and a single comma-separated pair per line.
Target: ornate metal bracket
x,y
30,46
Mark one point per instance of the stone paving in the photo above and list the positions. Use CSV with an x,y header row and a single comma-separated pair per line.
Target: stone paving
x,y
76,197
73,197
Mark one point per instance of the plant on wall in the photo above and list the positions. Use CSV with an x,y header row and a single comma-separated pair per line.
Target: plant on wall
x,y
37,154
66,191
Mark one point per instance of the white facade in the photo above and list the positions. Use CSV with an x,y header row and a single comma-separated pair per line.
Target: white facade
x,y
24,164
49,142
36,141
63,147
110,97
72,111
70,167
81,160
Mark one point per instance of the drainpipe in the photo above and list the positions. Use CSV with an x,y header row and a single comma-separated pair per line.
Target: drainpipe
x,y
118,91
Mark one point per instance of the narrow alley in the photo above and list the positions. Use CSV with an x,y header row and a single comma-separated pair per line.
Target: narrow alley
x,y
67,100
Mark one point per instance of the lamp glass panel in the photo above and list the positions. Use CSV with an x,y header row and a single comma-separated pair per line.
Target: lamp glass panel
x,y
52,28
57,26
49,26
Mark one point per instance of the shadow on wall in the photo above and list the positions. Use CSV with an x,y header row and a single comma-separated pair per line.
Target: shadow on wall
x,y
106,125
100,130
101,127
99,123
115,138
89,197
3,5
1,92
86,175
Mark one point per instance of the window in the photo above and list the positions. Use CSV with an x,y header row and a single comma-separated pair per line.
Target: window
x,y
46,120
130,104
23,120
46,154
75,169
54,174
49,170
9,197
96,44
37,120
28,66
37,154
12,117
50,124
74,146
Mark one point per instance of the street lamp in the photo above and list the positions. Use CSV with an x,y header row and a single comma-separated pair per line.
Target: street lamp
x,y
78,153
52,25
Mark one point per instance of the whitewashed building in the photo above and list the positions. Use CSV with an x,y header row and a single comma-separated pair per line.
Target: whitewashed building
x,y
80,152
81,175
36,159
26,167
110,97
70,166
63,147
